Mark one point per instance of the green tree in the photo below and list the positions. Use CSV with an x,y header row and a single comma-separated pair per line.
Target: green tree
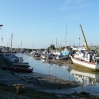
x,y
51,47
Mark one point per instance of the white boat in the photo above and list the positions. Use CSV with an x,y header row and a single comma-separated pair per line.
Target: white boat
x,y
86,62
43,56
47,56
86,58
32,52
55,52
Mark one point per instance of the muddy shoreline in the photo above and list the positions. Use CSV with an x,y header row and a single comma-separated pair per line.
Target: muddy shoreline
x,y
37,85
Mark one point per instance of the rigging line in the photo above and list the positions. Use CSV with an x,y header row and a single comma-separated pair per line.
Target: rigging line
x,y
79,37
15,42
66,35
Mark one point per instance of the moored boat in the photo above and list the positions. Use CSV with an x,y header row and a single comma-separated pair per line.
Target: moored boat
x,y
21,64
94,65
62,57
86,57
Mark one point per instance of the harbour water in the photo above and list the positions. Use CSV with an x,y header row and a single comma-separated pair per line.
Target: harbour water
x,y
46,67
89,80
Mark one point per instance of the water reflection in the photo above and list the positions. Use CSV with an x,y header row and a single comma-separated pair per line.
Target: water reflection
x,y
85,78
48,67
89,80
64,72
37,58
43,60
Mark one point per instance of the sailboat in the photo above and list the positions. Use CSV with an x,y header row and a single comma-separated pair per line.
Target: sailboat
x,y
64,54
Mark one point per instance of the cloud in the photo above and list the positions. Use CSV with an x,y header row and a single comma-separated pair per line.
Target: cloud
x,y
74,4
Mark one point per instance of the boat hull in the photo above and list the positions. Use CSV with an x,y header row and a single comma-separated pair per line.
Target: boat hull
x,y
62,57
26,70
90,65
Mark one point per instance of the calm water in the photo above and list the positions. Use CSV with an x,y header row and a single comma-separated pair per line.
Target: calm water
x,y
89,81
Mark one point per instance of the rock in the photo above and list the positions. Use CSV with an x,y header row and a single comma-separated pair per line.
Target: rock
x,y
19,88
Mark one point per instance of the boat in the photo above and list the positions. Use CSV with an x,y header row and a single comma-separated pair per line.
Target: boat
x,y
21,64
87,62
86,58
37,54
18,69
54,52
43,56
65,52
32,52
62,57
21,67
47,56
50,56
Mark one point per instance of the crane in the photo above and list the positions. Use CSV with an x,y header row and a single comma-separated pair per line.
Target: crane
x,y
86,45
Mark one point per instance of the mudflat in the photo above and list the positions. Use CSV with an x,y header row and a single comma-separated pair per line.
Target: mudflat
x,y
38,86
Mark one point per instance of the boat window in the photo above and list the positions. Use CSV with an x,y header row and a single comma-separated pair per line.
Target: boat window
x,y
83,51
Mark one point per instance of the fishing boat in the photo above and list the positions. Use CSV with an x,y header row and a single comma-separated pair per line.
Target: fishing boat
x,y
85,58
84,61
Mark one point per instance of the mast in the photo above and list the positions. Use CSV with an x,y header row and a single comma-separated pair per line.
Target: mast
x,y
21,46
11,41
1,35
56,42
32,47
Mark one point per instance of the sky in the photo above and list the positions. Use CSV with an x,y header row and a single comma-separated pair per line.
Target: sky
x,y
39,23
